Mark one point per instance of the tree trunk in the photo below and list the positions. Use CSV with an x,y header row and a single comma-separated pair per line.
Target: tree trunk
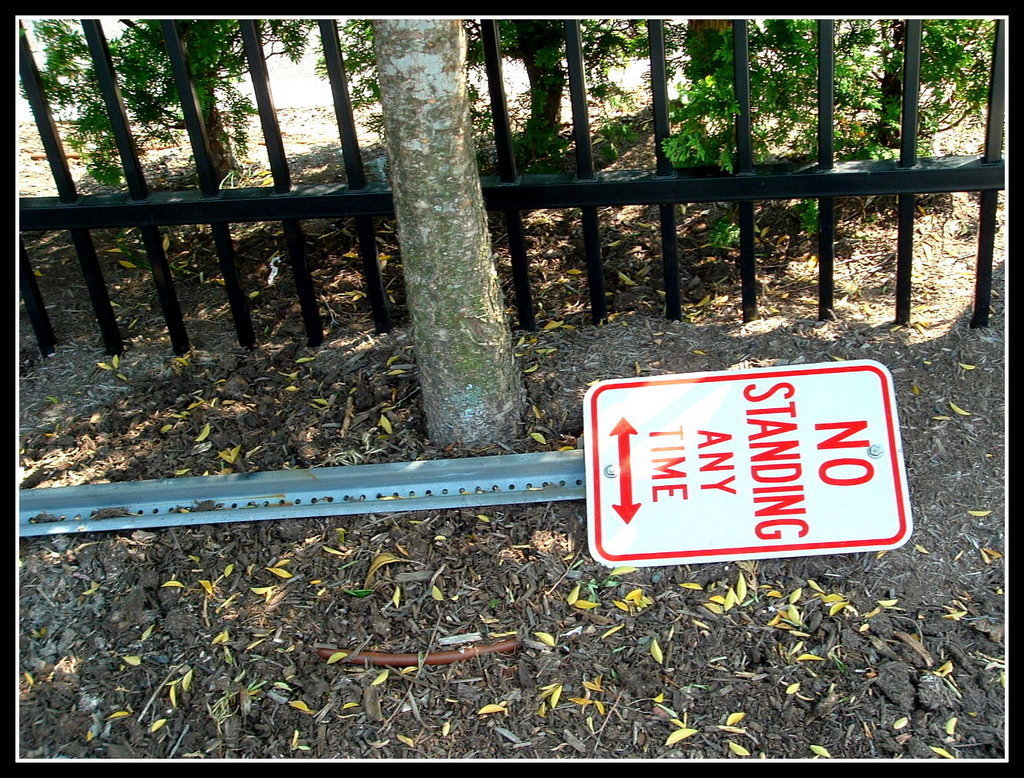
x,y
471,391
533,44
891,83
224,161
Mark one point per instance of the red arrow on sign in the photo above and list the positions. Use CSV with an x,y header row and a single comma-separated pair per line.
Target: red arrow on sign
x,y
626,508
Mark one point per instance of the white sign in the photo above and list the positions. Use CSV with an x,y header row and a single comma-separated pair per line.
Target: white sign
x,y
745,464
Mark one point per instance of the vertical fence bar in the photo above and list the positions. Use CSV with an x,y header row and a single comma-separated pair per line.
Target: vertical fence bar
x,y
826,162
585,169
664,167
126,148
996,98
911,81
744,166
136,180
34,306
365,233
342,104
990,198
908,158
741,76
253,46
47,127
68,193
507,172
209,181
295,244
578,99
503,145
659,95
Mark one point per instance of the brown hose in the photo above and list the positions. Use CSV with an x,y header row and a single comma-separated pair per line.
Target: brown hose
x,y
380,659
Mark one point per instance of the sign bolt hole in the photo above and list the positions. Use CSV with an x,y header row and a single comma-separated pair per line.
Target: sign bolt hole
x,y
875,451
610,471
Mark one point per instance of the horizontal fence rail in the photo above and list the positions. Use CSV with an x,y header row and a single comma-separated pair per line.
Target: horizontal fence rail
x,y
510,193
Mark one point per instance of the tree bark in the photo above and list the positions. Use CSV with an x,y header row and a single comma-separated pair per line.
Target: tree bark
x,y
471,390
224,161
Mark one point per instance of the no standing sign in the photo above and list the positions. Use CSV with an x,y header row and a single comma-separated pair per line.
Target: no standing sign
x,y
745,464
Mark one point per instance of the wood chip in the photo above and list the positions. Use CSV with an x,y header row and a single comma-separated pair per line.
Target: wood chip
x,y
916,644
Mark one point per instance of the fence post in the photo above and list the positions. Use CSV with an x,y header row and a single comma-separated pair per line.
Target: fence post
x,y
990,197
908,158
665,168
744,167
585,169
826,163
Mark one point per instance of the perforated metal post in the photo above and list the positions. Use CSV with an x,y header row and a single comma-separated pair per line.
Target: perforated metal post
x,y
333,491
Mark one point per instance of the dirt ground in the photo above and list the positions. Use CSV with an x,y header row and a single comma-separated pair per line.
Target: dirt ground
x,y
199,642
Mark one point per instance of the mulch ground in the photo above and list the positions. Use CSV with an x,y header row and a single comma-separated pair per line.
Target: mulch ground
x,y
198,642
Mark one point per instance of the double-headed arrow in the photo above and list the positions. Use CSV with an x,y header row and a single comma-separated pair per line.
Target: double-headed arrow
x,y
626,508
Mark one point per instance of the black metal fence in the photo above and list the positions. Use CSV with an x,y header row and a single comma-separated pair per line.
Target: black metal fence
x,y
509,193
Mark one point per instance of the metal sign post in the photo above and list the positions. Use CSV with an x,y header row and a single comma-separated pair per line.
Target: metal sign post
x,y
744,464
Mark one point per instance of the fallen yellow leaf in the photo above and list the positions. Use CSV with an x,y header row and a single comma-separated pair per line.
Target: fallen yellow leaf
x,y
378,562
741,589
612,631
556,695
656,652
573,595
545,638
680,734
